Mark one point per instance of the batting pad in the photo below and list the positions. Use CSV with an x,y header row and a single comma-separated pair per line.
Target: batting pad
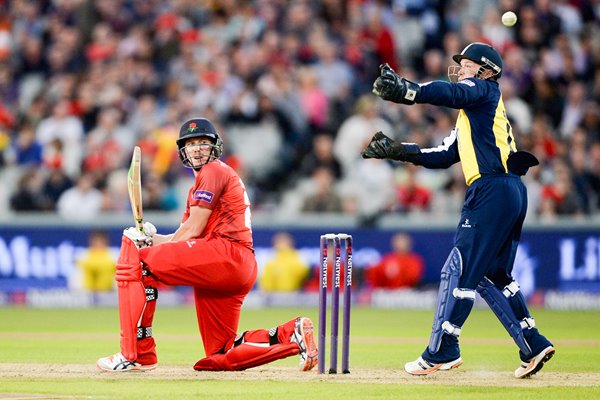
x,y
132,297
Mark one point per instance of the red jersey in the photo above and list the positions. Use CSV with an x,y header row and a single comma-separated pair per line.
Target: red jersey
x,y
219,188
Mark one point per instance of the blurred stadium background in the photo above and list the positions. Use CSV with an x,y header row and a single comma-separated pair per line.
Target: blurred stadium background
x,y
288,85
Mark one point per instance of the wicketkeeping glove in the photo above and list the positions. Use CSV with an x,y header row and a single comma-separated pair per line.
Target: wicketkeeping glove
x,y
390,86
383,147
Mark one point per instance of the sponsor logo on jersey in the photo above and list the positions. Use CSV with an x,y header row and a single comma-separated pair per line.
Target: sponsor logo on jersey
x,y
467,224
467,82
203,195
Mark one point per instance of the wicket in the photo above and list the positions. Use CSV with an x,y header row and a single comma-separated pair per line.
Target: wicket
x,y
335,239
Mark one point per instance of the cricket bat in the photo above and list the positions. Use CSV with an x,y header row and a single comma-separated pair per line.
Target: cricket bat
x,y
134,187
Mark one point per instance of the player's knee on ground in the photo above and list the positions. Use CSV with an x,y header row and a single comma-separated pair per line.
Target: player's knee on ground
x,y
247,355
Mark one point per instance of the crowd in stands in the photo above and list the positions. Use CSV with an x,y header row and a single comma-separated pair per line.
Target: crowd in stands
x,y
288,84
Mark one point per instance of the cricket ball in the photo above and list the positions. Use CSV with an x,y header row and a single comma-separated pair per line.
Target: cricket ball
x,y
509,18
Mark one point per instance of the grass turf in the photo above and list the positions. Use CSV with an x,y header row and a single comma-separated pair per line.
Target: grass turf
x,y
382,340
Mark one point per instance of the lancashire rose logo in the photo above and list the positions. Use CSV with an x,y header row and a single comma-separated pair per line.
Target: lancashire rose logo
x,y
192,127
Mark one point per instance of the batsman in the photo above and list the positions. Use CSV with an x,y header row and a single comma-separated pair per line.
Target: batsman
x,y
493,212
211,251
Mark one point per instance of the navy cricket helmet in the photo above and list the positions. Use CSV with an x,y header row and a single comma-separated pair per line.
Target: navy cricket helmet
x,y
197,128
484,55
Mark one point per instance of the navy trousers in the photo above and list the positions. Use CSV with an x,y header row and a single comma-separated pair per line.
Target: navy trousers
x,y
490,229
487,237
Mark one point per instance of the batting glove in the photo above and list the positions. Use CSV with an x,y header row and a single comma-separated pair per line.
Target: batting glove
x,y
140,239
149,229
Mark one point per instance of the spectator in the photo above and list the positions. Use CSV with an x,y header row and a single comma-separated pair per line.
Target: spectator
x,y
516,108
245,66
321,155
574,108
98,264
67,129
375,181
400,268
411,195
591,121
29,195
335,77
580,173
356,130
285,271
593,177
434,64
313,100
55,184
378,38
324,197
560,195
107,142
27,151
157,195
82,202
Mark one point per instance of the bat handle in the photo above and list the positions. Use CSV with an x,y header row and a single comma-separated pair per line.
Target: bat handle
x,y
139,223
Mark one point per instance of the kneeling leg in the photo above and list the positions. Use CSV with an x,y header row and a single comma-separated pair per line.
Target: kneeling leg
x,y
246,355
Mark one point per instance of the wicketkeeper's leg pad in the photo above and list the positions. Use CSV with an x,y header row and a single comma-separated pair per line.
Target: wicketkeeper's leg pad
x,y
247,355
510,308
132,296
453,303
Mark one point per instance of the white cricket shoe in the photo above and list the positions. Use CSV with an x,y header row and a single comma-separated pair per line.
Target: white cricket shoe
x,y
118,363
423,367
531,367
305,337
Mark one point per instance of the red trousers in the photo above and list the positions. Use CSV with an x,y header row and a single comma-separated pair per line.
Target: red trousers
x,y
221,273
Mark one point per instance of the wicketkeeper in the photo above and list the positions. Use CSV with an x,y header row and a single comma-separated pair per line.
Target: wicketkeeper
x,y
493,212
211,251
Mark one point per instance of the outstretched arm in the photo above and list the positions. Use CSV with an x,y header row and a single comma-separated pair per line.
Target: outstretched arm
x,y
391,86
443,156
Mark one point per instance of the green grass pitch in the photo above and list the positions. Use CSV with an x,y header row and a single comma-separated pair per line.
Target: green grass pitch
x,y
52,353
